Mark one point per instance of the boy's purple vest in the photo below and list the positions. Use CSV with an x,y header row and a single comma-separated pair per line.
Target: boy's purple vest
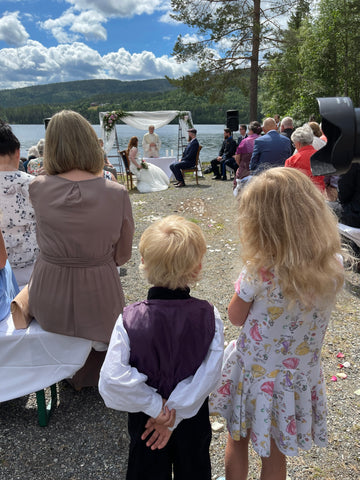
x,y
169,339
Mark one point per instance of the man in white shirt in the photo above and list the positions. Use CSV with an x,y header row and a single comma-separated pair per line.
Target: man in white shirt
x,y
151,143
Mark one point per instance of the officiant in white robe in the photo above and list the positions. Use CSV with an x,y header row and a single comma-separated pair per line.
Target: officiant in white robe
x,y
151,143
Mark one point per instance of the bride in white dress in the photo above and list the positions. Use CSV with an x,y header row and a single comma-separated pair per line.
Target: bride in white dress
x,y
150,179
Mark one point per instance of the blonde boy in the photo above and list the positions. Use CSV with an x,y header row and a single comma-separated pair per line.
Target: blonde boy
x,y
165,358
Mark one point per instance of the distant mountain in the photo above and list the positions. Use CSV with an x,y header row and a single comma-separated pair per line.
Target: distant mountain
x,y
70,92
30,105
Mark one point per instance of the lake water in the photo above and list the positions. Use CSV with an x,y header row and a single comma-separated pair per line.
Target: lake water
x,y
209,136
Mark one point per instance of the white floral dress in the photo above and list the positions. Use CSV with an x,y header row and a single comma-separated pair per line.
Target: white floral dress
x,y
18,224
272,381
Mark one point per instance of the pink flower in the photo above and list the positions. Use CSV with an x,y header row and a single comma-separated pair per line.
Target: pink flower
x,y
225,389
255,334
291,363
267,387
291,427
314,397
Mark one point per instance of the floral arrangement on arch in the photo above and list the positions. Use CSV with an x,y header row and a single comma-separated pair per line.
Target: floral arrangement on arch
x,y
110,119
185,117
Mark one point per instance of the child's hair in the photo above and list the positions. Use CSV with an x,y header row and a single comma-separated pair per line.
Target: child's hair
x,y
172,250
285,225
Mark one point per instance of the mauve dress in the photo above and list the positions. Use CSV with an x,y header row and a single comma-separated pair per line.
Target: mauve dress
x,y
84,229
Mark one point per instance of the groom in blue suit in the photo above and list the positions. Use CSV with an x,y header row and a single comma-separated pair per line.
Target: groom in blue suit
x,y
188,159
270,150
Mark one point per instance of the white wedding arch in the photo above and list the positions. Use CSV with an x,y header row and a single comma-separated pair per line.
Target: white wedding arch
x,y
142,120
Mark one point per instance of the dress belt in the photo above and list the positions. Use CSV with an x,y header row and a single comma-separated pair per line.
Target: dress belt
x,y
77,262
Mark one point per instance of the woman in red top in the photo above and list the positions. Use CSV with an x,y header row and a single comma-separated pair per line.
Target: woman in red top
x,y
302,138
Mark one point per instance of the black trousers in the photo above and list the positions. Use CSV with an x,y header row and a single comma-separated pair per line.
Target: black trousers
x,y
186,454
216,166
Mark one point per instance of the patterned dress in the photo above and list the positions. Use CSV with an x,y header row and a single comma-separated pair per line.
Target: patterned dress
x,y
272,380
18,224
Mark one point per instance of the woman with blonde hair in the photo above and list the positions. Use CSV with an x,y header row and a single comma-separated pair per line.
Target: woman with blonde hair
x,y
272,389
149,177
75,288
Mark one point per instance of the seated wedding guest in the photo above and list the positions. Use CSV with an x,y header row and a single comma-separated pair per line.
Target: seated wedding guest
x,y
32,153
270,149
149,177
317,141
8,286
331,181
243,134
188,159
244,151
18,219
34,167
226,153
287,129
109,171
21,164
151,143
302,138
75,288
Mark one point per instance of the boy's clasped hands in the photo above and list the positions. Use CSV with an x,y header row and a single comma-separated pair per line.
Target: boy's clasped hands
x,y
159,427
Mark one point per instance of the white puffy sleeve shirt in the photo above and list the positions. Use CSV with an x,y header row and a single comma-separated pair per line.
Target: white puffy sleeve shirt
x,y
124,388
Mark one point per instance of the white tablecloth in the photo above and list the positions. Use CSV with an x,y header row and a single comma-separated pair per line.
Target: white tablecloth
x,y
163,163
32,359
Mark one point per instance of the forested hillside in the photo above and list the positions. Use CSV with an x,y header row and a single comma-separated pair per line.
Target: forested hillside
x,y
31,105
69,92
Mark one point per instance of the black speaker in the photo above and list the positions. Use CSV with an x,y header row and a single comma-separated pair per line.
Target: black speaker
x,y
232,120
46,122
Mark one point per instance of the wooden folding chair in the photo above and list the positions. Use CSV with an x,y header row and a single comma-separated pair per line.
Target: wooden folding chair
x,y
196,168
129,175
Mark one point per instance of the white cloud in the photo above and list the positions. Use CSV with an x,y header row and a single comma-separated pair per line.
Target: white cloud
x,y
35,64
191,38
12,31
144,65
165,18
121,8
70,26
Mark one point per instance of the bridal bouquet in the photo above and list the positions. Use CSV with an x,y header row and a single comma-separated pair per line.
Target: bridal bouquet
x,y
144,165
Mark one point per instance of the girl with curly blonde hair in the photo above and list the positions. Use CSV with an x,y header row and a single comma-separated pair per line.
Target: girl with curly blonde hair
x,y
272,388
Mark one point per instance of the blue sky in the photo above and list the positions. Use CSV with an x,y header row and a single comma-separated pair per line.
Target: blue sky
x,y
46,41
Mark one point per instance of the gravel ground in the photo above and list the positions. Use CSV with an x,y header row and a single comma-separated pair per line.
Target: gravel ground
x,y
84,440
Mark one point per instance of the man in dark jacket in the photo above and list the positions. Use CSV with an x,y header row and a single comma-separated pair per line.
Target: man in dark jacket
x,y
188,159
227,150
287,129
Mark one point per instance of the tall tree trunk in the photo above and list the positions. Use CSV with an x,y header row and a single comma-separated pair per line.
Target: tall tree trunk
x,y
254,66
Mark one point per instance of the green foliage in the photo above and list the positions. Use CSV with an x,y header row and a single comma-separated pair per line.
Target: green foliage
x,y
319,57
67,92
231,36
